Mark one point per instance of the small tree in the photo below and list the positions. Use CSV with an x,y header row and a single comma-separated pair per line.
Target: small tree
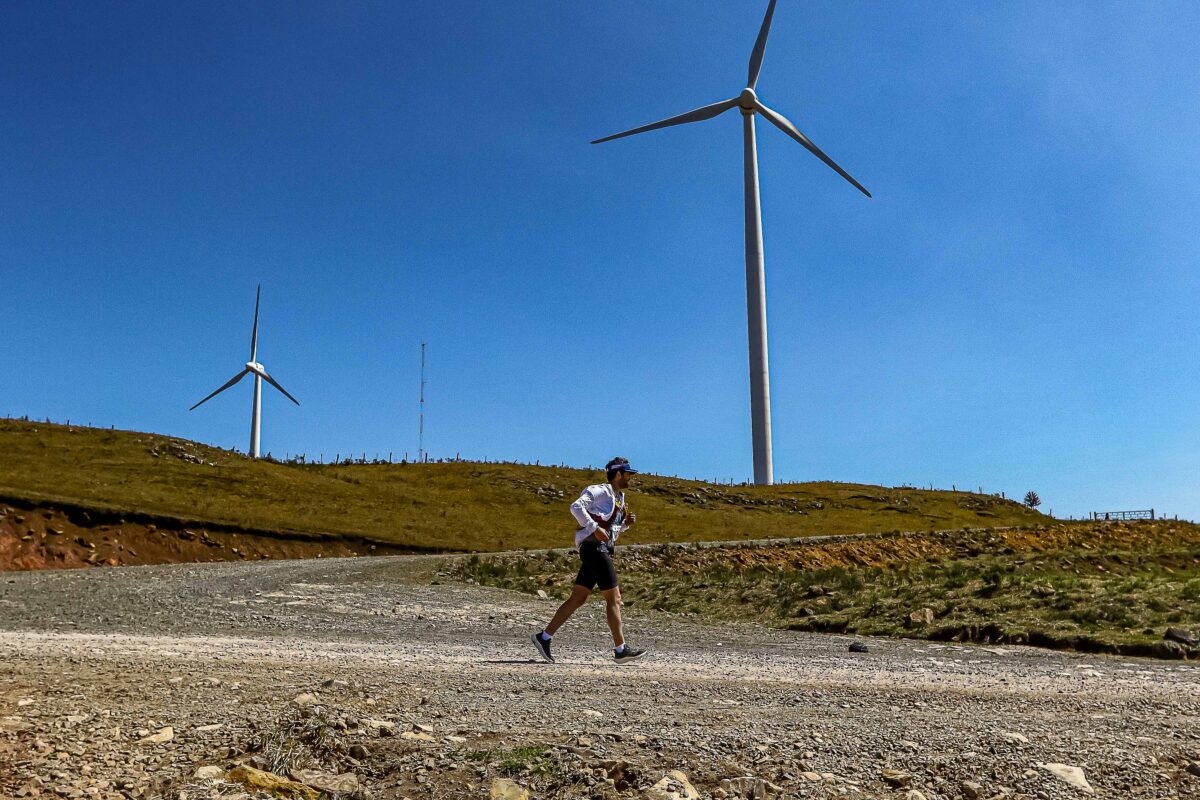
x,y
1032,500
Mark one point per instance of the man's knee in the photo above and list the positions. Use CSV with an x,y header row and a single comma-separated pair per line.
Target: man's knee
x,y
613,598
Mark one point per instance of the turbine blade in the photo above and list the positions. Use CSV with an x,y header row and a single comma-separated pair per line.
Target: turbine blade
x,y
696,115
760,47
781,122
275,383
227,384
254,335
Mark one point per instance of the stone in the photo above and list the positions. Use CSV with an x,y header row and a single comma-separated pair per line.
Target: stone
x,y
1013,738
588,712
346,783
256,780
542,594
381,727
674,786
416,736
163,736
858,647
505,789
360,752
1185,638
751,788
913,794
335,683
1170,649
1042,590
1070,775
1193,768
971,790
305,699
920,618
896,778
815,777
209,773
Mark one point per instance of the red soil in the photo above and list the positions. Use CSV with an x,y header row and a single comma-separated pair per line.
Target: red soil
x,y
40,536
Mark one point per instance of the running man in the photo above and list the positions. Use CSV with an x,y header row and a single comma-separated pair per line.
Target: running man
x,y
603,515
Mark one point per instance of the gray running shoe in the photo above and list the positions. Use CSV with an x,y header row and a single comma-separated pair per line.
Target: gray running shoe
x,y
627,655
543,646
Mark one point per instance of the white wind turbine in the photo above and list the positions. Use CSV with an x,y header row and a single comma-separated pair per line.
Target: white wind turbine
x,y
260,374
756,298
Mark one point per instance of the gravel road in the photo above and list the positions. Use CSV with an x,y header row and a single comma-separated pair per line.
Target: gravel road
x,y
436,682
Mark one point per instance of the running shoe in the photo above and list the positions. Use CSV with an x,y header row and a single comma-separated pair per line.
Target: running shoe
x,y
543,646
628,654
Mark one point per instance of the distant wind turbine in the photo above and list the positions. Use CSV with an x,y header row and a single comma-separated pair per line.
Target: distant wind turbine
x,y
756,297
260,374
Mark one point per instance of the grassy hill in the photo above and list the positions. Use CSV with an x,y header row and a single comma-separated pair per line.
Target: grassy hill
x,y
1117,587
456,506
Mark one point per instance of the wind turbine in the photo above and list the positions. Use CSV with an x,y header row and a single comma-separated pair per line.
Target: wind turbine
x,y
756,297
260,374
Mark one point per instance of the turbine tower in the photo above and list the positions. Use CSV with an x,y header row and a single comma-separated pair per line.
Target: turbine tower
x,y
260,375
756,296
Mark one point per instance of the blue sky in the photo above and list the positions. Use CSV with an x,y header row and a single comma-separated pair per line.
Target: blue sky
x,y
1015,309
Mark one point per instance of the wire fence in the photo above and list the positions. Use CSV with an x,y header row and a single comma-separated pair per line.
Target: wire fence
x,y
361,458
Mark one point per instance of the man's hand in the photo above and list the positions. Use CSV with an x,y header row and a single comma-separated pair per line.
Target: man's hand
x,y
601,534
630,518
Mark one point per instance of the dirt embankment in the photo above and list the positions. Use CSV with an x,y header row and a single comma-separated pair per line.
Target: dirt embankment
x,y
40,536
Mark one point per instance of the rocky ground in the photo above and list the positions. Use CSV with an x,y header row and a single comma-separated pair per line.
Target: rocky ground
x,y
379,677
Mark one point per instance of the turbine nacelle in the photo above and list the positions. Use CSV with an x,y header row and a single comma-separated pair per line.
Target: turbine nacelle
x,y
748,101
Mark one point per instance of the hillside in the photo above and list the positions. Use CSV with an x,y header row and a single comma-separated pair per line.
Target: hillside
x,y
452,506
1131,588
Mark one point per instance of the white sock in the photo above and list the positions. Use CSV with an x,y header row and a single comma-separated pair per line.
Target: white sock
x,y
621,649
545,637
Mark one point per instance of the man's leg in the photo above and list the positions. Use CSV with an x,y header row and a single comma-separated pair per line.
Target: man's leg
x,y
612,599
579,596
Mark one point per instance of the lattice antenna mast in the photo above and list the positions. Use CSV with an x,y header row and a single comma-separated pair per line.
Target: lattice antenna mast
x,y
421,415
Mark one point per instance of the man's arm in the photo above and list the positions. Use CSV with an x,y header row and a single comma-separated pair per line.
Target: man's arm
x,y
581,510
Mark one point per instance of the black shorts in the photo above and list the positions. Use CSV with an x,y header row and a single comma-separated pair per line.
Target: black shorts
x,y
597,569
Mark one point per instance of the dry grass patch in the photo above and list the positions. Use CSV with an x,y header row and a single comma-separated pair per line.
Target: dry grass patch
x,y
460,506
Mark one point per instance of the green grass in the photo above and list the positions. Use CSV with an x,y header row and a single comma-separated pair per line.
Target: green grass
x,y
529,760
1036,585
457,506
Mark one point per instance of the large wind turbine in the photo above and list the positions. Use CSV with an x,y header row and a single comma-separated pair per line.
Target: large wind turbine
x,y
260,374
756,298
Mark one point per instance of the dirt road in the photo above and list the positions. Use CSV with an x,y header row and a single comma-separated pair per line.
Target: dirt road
x,y
430,690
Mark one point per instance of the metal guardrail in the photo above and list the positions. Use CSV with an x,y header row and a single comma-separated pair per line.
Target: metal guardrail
x,y
1110,516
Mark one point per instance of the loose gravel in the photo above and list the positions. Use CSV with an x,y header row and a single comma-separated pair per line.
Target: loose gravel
x,y
433,680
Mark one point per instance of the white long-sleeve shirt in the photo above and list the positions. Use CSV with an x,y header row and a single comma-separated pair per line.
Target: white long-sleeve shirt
x,y
600,500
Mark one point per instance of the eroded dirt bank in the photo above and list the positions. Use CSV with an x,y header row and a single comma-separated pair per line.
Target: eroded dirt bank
x,y
430,692
44,536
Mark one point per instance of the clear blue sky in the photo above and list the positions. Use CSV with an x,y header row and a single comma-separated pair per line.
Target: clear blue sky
x,y
1016,309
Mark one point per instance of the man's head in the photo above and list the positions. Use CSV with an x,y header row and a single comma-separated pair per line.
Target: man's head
x,y
617,471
